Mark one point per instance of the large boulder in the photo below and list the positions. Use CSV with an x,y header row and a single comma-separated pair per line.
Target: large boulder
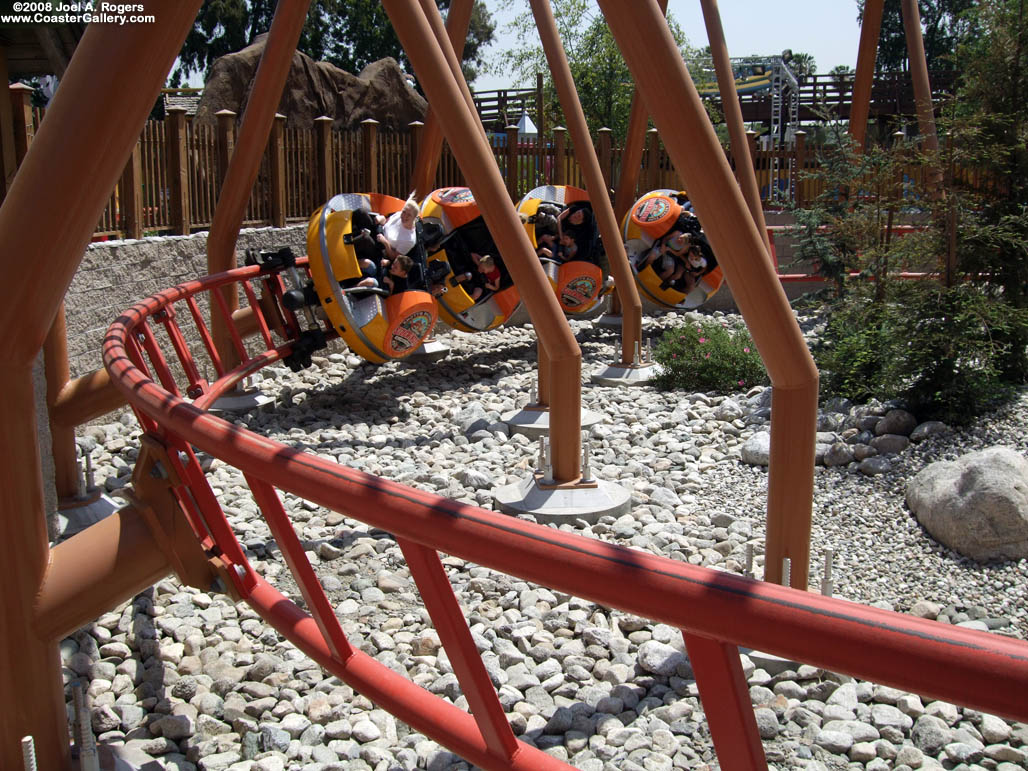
x,y
313,89
976,505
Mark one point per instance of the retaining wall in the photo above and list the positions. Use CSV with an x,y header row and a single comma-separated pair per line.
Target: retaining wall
x,y
114,275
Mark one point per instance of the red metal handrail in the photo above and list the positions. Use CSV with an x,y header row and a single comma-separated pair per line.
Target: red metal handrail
x,y
715,610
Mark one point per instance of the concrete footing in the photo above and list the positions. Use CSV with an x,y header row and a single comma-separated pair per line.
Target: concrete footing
x,y
430,350
75,519
241,401
608,320
620,375
563,505
533,422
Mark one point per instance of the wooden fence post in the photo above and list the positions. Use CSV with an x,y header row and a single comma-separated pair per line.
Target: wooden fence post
x,y
226,142
415,140
277,169
512,161
369,133
751,140
178,170
131,196
326,175
540,106
559,155
799,162
540,127
605,154
652,159
21,107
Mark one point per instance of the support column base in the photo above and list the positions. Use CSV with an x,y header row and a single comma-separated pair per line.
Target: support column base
x,y
564,505
534,423
76,519
241,401
608,320
430,350
620,375
769,662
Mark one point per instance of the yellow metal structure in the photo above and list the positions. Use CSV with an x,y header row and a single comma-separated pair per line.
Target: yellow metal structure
x,y
376,326
454,210
652,217
578,283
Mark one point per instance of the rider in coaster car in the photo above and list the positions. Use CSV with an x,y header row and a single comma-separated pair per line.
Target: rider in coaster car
x,y
546,232
669,254
396,276
694,267
577,221
398,234
365,225
490,275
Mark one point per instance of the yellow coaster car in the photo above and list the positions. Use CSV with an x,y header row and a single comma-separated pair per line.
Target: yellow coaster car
x,y
653,227
376,324
574,269
468,298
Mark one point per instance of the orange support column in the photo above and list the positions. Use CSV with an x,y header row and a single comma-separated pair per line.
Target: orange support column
x,y
429,150
444,40
476,160
733,117
246,158
922,93
624,196
74,162
860,104
560,70
30,665
661,77
55,358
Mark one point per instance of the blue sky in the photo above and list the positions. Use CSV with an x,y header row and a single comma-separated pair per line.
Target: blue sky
x,y
828,30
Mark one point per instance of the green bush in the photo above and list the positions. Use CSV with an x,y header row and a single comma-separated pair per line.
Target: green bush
x,y
941,350
709,356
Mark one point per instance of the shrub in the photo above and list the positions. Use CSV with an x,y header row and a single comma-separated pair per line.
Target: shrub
x,y
709,356
941,350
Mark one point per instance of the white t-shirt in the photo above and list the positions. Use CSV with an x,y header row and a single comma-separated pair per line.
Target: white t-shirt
x,y
399,237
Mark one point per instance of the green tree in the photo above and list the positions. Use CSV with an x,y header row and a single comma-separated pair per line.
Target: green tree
x,y
802,65
348,33
941,23
990,135
602,78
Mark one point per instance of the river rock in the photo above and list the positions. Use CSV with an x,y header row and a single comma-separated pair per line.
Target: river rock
x,y
976,505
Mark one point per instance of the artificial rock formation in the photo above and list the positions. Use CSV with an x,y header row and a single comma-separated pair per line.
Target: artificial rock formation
x,y
976,505
313,89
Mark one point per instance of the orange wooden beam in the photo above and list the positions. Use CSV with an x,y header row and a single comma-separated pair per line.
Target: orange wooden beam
x,y
660,75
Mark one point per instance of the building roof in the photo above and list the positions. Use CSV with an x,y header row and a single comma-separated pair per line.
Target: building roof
x,y
36,50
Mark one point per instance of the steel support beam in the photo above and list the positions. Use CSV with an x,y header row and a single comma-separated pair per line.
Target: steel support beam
x,y
463,132
660,75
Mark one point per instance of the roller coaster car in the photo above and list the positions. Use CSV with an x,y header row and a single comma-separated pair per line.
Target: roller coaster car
x,y
653,217
376,325
748,80
456,232
578,282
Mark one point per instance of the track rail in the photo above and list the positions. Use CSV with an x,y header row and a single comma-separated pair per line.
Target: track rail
x,y
716,611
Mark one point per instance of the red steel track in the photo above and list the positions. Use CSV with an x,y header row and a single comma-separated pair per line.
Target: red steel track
x,y
716,611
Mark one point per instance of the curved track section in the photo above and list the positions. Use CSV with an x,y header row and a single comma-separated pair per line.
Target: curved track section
x,y
716,611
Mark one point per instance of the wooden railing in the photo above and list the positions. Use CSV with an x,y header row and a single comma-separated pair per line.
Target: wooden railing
x,y
172,181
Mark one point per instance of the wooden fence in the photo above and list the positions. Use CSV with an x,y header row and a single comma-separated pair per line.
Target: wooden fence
x,y
172,181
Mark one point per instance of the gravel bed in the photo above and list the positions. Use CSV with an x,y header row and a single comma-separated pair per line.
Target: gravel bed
x,y
187,680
